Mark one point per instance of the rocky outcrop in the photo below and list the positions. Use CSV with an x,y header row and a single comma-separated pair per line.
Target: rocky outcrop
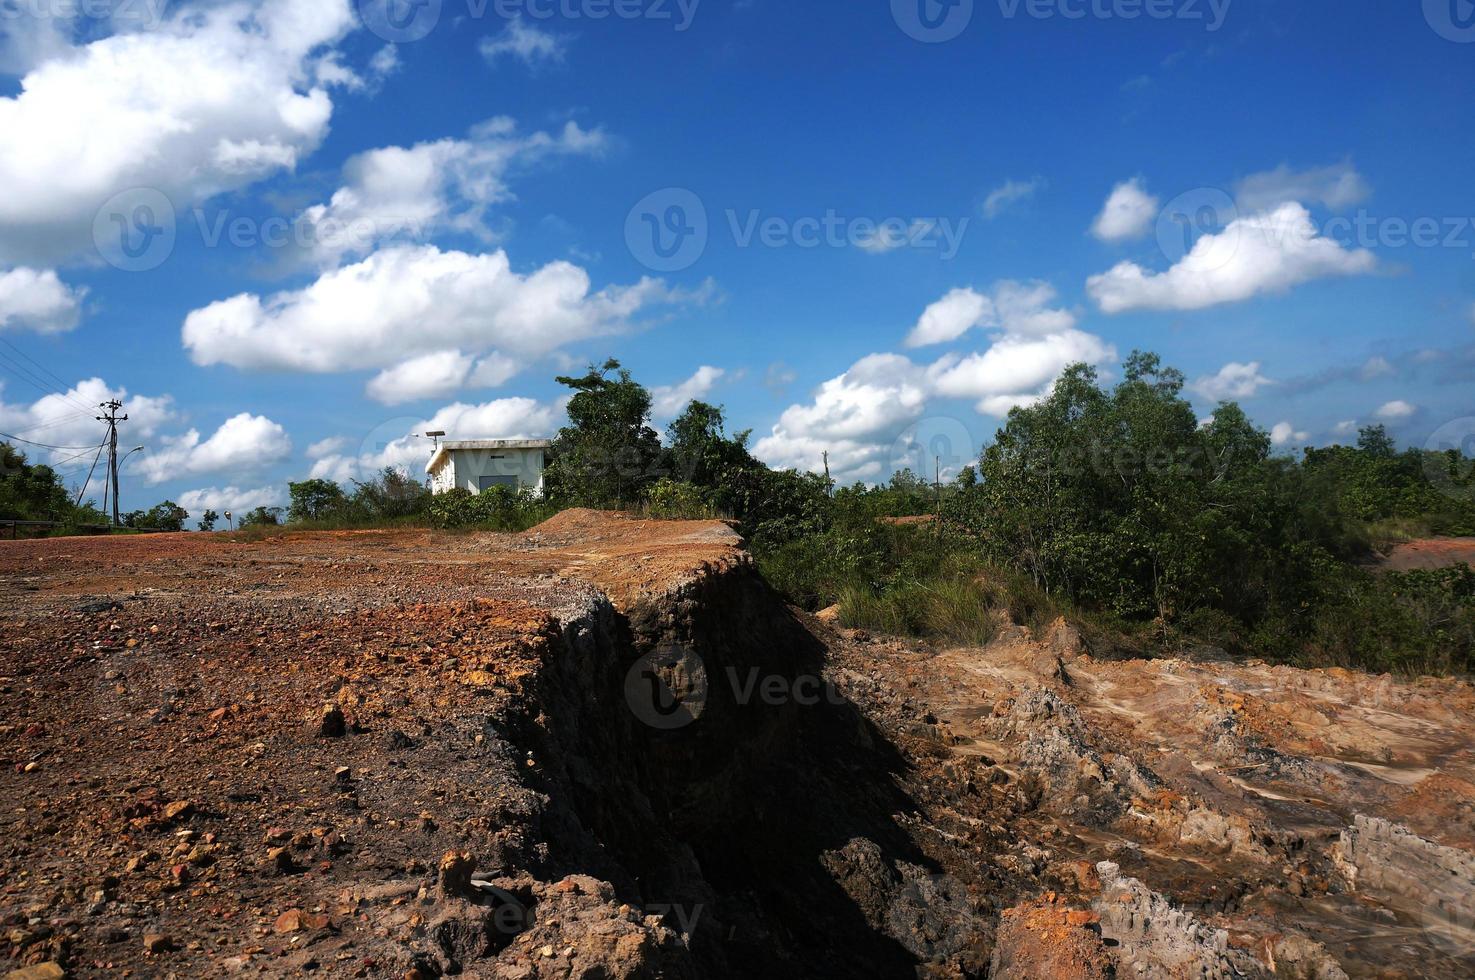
x,y
1153,938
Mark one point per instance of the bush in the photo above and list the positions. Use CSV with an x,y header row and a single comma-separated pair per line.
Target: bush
x,y
669,500
496,508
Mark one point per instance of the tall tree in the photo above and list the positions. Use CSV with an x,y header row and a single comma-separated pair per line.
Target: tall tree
x,y
608,453
701,452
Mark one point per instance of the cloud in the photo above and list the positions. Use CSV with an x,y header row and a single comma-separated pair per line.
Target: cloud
x,y
1397,411
430,188
69,419
1337,187
393,306
854,417
525,42
233,499
1016,370
1014,307
859,416
244,442
32,299
1377,366
505,418
1285,434
1345,428
667,401
890,236
1128,213
950,317
327,447
1234,381
1263,253
1010,193
429,376
214,98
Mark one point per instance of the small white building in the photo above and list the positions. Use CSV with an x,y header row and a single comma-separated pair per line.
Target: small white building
x,y
477,464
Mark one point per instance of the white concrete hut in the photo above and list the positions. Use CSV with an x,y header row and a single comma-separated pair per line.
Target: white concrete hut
x,y
476,464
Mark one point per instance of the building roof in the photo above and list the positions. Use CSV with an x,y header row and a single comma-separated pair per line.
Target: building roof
x,y
463,445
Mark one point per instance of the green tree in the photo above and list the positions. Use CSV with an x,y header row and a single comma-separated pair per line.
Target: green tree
x,y
608,453
207,521
700,451
167,516
391,495
315,500
30,492
262,516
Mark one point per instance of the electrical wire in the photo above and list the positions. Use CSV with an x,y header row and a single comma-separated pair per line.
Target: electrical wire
x,y
83,492
10,438
56,386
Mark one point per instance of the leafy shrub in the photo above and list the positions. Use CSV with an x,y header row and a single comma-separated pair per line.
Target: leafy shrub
x,y
669,500
496,508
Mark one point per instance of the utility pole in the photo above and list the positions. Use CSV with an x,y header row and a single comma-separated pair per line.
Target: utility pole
x,y
826,455
112,419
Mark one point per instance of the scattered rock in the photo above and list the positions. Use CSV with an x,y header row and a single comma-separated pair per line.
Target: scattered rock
x,y
157,942
40,971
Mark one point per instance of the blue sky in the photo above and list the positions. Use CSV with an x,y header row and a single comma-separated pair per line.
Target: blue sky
x,y
880,234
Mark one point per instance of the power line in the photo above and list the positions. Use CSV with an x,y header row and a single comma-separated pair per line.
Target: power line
x,y
10,438
83,492
39,366
37,383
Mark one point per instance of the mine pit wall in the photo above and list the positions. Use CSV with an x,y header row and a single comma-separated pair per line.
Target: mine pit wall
x,y
723,823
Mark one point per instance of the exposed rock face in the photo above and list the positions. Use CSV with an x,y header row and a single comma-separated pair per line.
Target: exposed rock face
x,y
1432,883
1152,937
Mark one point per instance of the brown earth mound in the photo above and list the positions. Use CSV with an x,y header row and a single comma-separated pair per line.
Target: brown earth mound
x,y
605,749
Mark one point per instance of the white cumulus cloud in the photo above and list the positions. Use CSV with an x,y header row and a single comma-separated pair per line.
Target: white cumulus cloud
x,y
1397,411
69,419
1285,434
1264,253
1013,307
1337,187
1233,381
1128,213
401,301
211,99
243,443
35,299
667,401
233,499
430,188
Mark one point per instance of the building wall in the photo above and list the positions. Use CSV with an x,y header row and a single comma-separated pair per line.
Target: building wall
x,y
467,466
